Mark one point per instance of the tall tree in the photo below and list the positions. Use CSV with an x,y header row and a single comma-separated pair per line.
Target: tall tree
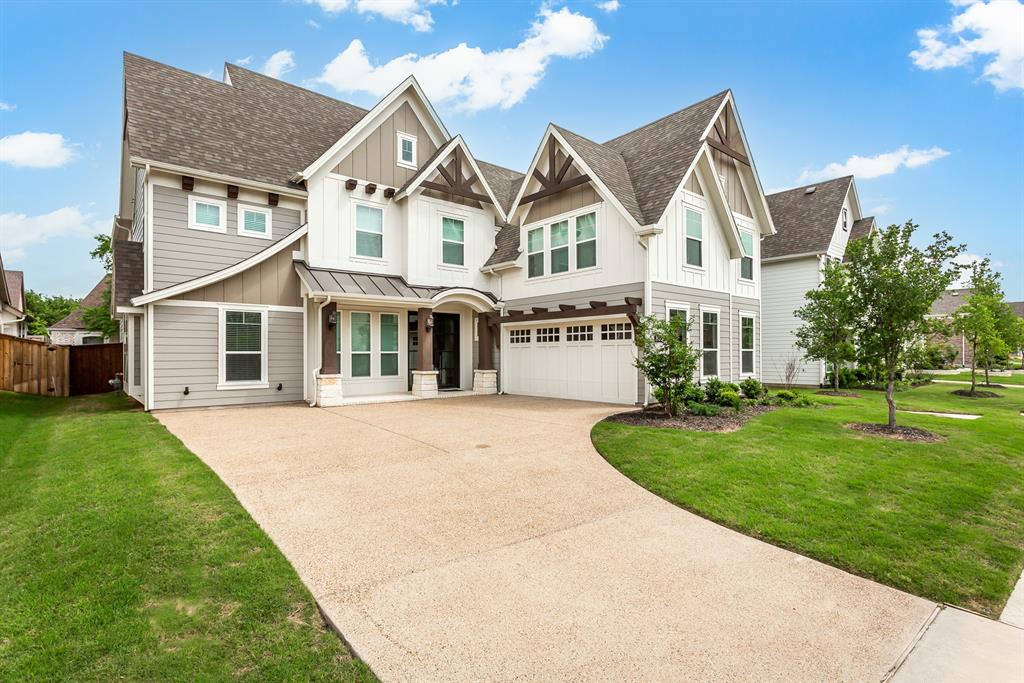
x,y
829,316
97,318
976,322
46,310
894,285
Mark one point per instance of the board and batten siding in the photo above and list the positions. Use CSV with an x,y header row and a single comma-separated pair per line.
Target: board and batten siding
x,y
186,350
181,254
785,284
566,200
375,158
273,282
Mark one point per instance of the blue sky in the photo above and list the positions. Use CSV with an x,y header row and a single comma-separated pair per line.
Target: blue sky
x,y
822,88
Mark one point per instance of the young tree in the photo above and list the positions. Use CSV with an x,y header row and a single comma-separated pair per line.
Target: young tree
x,y
98,318
894,285
976,322
666,359
829,316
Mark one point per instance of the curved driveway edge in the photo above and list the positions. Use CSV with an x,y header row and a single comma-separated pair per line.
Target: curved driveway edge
x,y
484,537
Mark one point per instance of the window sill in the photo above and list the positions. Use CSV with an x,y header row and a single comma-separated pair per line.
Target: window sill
x,y
452,267
696,270
369,259
231,386
207,228
562,276
257,235
406,164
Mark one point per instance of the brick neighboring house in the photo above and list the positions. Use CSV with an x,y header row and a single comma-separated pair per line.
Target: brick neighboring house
x,y
945,306
71,330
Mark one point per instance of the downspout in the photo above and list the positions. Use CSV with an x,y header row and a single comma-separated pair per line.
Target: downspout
x,y
319,346
648,305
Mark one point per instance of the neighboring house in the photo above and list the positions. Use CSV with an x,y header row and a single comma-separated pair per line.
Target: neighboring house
x,y
13,320
274,244
71,330
944,308
814,223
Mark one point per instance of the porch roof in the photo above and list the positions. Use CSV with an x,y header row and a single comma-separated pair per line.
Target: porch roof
x,y
346,282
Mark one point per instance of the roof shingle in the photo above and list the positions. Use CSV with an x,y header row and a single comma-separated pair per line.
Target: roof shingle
x,y
73,320
128,271
805,222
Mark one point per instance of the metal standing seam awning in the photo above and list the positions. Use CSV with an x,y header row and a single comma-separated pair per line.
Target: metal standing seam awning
x,y
331,282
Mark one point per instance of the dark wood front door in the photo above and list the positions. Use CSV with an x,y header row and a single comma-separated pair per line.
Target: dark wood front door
x,y
446,350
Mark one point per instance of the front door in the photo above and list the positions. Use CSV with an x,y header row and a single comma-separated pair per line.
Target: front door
x,y
446,350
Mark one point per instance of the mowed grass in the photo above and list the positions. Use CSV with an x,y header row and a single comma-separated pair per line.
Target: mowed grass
x,y
1016,378
122,556
944,521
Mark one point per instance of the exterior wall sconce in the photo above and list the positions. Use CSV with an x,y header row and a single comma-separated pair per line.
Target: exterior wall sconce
x,y
332,319
429,322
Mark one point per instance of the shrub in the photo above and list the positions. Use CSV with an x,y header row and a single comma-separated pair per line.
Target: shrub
x,y
752,388
786,396
728,397
847,378
714,387
703,409
693,394
937,356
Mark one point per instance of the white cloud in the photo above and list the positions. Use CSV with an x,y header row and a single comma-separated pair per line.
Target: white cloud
x,y
968,260
879,165
608,5
35,150
880,210
19,231
468,77
4,106
244,61
279,63
409,12
993,31
312,24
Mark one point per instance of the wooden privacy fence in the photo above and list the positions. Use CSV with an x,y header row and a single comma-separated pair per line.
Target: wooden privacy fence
x,y
32,367
93,366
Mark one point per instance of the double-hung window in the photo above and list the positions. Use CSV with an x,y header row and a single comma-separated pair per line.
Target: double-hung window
x,y
369,231
388,345
453,241
558,237
586,240
747,260
406,150
254,221
746,345
360,336
244,335
207,214
535,252
679,316
709,339
694,238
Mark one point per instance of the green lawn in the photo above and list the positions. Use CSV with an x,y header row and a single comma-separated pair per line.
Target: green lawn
x,y
122,556
1017,378
944,521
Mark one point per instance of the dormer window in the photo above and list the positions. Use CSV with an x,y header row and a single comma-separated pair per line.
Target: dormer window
x,y
845,221
406,150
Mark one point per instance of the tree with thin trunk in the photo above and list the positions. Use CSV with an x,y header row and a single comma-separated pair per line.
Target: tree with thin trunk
x,y
666,358
894,285
986,321
975,321
829,316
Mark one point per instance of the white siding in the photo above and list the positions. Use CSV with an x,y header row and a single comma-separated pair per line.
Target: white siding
x,y
785,284
840,237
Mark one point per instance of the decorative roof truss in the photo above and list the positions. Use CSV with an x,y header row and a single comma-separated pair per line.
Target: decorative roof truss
x,y
453,182
554,180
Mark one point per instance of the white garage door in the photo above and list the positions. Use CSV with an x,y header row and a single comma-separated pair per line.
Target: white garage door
x,y
588,360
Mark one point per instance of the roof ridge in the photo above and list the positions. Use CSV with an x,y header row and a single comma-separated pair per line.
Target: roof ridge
x,y
186,72
666,116
229,65
820,182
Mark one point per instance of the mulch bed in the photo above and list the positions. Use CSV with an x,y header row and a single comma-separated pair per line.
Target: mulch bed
x,y
727,420
829,392
966,393
901,433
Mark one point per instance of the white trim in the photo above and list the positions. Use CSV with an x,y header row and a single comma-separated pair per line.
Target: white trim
x,y
753,316
148,403
401,137
147,235
252,208
131,310
224,273
222,383
722,203
791,257
221,178
752,257
222,225
469,297
355,131
570,218
356,256
702,268
451,215
186,303
717,310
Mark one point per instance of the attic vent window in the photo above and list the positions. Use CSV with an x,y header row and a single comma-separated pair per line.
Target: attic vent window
x,y
810,190
406,150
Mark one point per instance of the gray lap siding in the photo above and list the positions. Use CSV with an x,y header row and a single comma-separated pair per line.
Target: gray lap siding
x,y
186,354
181,254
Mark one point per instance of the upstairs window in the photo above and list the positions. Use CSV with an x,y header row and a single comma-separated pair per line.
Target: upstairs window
x,y
207,214
254,221
453,241
535,252
747,261
845,220
406,150
586,240
694,239
558,235
369,231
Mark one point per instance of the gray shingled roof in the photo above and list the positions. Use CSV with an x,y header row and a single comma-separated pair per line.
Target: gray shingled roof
x,y
610,167
805,223
257,128
504,182
950,300
73,320
862,227
1018,307
14,281
128,271
351,282
658,154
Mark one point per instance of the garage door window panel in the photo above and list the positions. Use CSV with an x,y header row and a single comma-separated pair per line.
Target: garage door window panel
x,y
548,335
579,333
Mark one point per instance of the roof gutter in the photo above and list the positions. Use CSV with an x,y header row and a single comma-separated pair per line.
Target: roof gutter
x,y
790,257
219,177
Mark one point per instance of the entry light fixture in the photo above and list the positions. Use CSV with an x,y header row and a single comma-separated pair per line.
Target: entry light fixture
x,y
332,319
430,322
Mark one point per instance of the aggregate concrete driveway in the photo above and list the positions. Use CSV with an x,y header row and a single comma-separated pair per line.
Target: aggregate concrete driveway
x,y
483,537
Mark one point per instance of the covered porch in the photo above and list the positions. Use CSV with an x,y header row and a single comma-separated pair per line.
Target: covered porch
x,y
375,338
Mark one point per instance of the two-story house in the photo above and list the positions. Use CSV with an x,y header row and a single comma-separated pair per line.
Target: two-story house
x,y
275,244
814,223
13,320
